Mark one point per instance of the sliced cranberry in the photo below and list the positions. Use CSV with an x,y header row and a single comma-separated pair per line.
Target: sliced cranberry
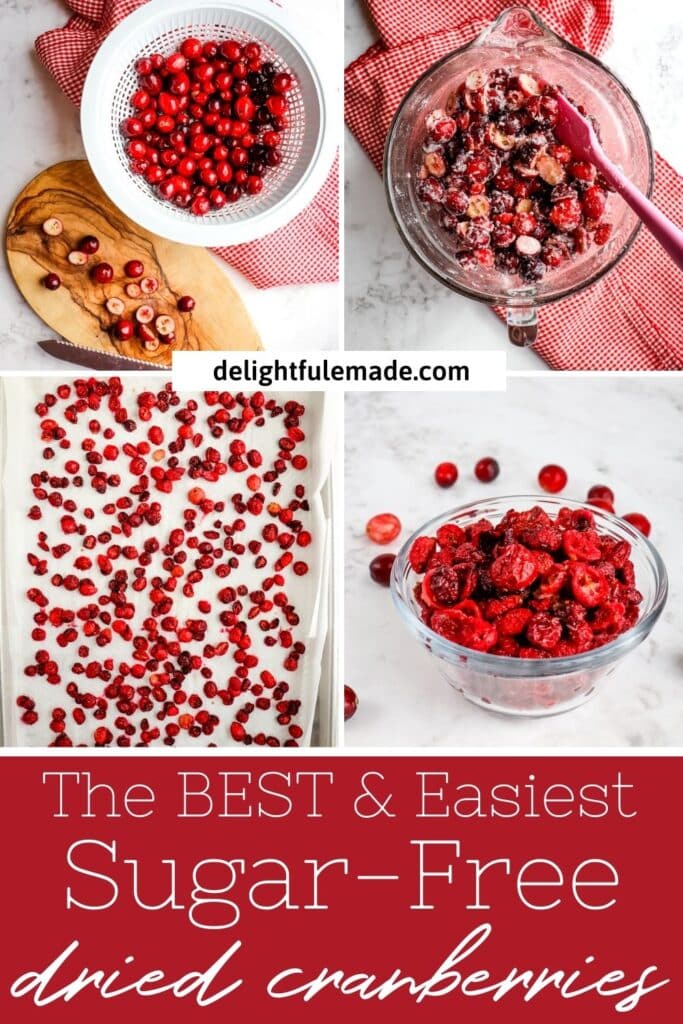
x,y
383,528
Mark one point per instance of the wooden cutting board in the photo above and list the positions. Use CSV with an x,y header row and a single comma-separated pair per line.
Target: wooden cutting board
x,y
76,311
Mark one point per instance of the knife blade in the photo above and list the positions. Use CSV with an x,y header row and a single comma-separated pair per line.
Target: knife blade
x,y
93,359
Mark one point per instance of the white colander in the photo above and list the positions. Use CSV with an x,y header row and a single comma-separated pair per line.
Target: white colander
x,y
308,144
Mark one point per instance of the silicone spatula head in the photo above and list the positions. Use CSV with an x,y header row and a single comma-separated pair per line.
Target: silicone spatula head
x,y
576,131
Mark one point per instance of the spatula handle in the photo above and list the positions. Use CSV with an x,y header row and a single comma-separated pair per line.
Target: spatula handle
x,y
668,234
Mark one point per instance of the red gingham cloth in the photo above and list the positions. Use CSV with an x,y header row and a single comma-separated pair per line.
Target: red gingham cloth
x,y
305,251
630,319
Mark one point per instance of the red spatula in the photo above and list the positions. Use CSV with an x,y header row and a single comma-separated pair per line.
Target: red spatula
x,y
578,133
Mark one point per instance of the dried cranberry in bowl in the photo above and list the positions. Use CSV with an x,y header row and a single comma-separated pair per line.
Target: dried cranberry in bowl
x,y
531,586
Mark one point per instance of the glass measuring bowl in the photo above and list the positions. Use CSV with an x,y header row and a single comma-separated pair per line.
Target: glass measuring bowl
x,y
521,41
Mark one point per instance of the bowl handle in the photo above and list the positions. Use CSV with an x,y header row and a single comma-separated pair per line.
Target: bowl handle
x,y
522,319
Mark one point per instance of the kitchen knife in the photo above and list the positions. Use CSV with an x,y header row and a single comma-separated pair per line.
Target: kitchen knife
x,y
93,359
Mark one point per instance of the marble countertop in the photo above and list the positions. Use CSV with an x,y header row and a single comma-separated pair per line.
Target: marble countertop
x,y
393,442
40,127
390,301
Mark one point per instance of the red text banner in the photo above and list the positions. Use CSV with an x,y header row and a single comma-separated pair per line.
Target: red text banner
x,y
375,888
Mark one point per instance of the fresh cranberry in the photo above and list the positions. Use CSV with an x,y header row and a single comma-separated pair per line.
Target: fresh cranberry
x,y
486,470
552,479
89,245
601,503
134,268
445,474
52,282
640,522
602,493
186,304
124,330
380,569
102,273
192,101
350,703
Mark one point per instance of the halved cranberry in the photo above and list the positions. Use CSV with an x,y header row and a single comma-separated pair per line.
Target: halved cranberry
x,y
383,528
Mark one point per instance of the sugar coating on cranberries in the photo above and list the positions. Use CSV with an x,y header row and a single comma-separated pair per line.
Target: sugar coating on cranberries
x,y
163,600
207,122
531,586
494,175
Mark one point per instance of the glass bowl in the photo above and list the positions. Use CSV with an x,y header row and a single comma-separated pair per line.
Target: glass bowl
x,y
524,686
520,40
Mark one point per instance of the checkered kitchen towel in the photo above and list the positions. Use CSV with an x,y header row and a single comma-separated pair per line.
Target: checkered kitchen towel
x,y
632,319
305,251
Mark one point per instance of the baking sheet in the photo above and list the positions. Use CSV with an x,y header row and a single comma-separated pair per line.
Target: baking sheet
x,y
309,594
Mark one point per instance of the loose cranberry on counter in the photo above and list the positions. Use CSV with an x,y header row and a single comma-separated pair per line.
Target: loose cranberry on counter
x,y
531,586
552,479
186,304
383,528
350,703
486,470
640,522
602,492
601,503
445,474
380,569
52,282
502,187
